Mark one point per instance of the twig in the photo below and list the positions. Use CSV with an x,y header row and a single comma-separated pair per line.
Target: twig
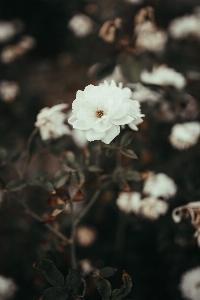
x,y
73,233
84,288
27,151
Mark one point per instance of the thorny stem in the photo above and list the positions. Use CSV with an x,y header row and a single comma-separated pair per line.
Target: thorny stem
x,y
27,151
72,237
50,227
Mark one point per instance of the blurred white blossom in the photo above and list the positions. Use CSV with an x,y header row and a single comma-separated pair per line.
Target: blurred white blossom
x,y
185,135
87,267
149,37
134,1
100,110
80,25
190,284
159,185
7,288
152,208
50,122
185,26
11,52
85,236
8,29
79,138
142,94
129,202
162,75
9,90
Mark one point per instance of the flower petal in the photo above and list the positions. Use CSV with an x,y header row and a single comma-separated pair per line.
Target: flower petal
x,y
122,121
110,134
81,125
92,135
72,119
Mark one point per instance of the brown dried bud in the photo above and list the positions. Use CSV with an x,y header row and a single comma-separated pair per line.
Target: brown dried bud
x,y
144,14
108,30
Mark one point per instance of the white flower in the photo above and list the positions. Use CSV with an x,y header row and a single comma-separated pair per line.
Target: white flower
x,y
50,122
9,90
80,25
151,208
134,1
149,37
162,75
143,94
100,110
185,135
190,284
159,185
7,288
129,202
87,267
185,26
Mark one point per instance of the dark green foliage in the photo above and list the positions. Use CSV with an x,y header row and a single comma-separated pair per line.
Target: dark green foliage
x,y
43,183
60,178
55,293
69,160
124,289
128,153
79,178
94,168
52,274
103,287
3,155
73,279
126,139
107,271
16,185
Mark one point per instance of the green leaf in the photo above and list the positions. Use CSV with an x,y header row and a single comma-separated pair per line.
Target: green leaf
x,y
52,274
60,178
73,279
79,178
94,169
124,289
3,153
16,185
55,293
131,68
107,271
126,139
37,174
103,287
103,69
128,153
69,160
43,183
132,176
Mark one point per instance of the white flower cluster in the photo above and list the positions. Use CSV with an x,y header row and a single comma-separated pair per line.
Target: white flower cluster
x,y
185,26
190,284
150,207
164,76
142,94
159,185
149,37
50,122
100,110
185,135
80,25
7,288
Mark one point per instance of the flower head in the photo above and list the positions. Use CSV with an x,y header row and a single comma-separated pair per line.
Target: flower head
x,y
7,288
190,284
185,26
80,25
50,122
184,136
162,75
151,208
129,202
100,110
159,185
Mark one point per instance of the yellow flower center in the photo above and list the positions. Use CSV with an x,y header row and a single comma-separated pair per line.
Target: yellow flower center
x,y
99,113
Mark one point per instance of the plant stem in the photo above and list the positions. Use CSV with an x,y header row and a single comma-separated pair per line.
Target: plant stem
x,y
72,237
27,151
84,288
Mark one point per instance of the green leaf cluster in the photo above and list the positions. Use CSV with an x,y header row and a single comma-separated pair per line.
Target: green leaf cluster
x,y
62,287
